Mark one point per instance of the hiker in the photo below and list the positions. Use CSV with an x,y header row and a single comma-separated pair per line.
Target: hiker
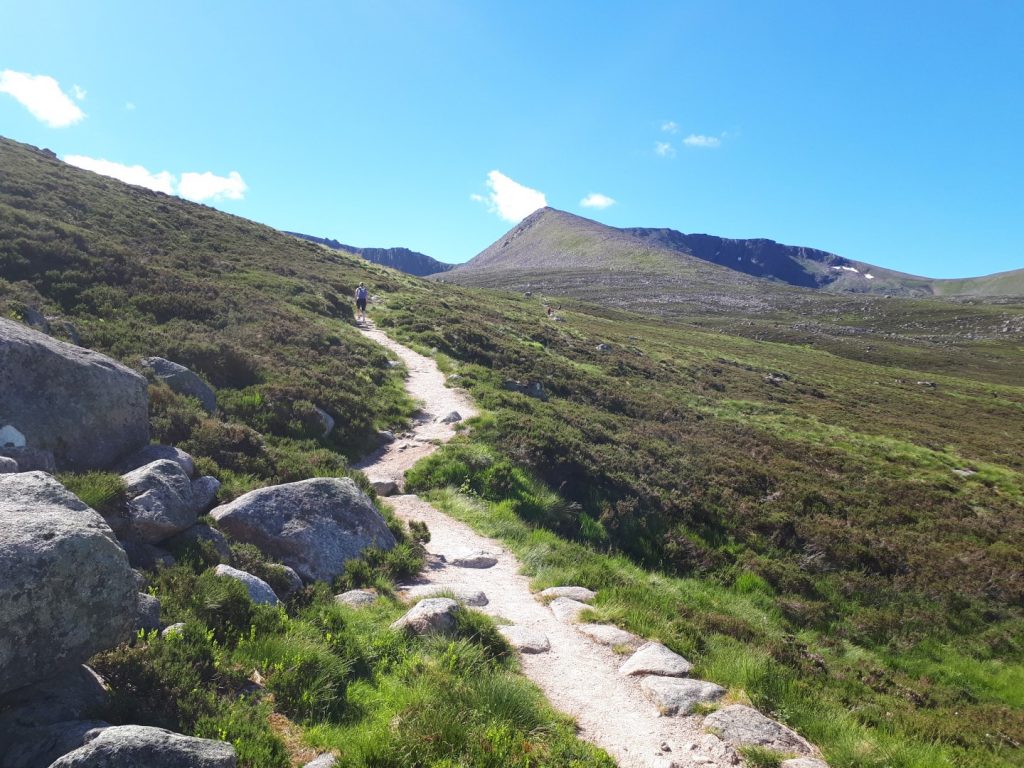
x,y
361,294
549,311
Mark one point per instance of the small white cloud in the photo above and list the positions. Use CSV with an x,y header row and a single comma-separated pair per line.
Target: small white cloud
x,y
698,140
130,106
209,186
41,95
509,199
130,174
670,127
79,92
664,149
597,200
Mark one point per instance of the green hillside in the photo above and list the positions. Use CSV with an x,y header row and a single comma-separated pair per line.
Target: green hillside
x,y
817,499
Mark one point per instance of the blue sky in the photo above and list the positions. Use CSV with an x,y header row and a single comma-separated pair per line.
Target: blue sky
x,y
886,132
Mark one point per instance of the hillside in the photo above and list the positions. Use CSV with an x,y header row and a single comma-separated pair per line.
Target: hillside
x,y
817,499
402,259
550,242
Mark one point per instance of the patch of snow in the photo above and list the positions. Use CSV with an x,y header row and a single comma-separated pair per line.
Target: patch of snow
x,y
869,277
847,269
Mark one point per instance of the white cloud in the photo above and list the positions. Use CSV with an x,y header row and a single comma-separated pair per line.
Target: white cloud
x,y
130,106
698,140
130,174
670,127
209,186
194,186
41,95
509,199
664,149
79,92
597,200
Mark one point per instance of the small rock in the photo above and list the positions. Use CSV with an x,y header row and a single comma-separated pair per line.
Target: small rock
x,y
435,615
148,616
385,436
466,595
526,640
326,760
154,452
582,594
678,696
326,421
294,582
357,598
743,726
475,560
204,493
804,762
603,348
385,487
929,384
259,591
567,609
451,418
655,659
965,472
606,634
183,381
174,629
137,745
7,465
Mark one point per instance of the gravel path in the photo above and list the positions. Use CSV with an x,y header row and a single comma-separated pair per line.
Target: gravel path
x,y
578,674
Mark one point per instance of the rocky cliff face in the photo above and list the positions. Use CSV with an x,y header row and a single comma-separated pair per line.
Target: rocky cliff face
x,y
402,259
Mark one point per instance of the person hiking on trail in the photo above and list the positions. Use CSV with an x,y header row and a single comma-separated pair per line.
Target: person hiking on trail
x,y
361,294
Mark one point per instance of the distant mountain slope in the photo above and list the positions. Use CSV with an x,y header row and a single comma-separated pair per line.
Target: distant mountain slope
x,y
402,259
550,241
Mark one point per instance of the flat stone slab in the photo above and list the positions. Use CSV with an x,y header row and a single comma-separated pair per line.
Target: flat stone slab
x,y
466,595
655,659
679,695
474,560
743,726
582,594
607,634
526,640
567,609
357,598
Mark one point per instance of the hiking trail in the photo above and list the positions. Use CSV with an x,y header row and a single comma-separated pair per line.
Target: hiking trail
x,y
579,675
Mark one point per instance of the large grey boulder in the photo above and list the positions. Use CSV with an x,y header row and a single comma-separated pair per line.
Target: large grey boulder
x,y
259,591
84,407
183,381
655,659
160,501
679,695
433,616
139,745
743,726
147,617
154,452
313,526
204,493
66,588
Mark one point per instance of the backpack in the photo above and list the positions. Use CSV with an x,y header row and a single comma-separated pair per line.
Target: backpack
x,y
361,293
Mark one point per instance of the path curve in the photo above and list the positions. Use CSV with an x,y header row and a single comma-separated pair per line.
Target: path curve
x,y
578,675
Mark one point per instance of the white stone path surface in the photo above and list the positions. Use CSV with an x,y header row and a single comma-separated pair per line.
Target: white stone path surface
x,y
578,675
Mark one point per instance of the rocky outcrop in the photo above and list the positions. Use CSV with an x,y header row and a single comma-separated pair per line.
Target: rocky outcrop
x,y
66,588
259,591
138,745
433,616
86,409
743,726
183,381
313,526
160,501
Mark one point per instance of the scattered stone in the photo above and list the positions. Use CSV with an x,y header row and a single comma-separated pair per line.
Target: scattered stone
x,y
385,436
326,421
131,745
7,465
314,526
678,696
259,591
582,594
567,609
531,389
385,487
154,452
743,726
204,493
326,760
160,501
435,615
394,363
83,407
965,472
474,560
929,384
466,595
606,634
603,348
526,640
148,616
655,659
357,598
804,762
202,532
451,418
183,381
174,629
66,588
148,557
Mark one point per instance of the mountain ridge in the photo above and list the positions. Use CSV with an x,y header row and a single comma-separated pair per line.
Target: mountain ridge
x,y
403,259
